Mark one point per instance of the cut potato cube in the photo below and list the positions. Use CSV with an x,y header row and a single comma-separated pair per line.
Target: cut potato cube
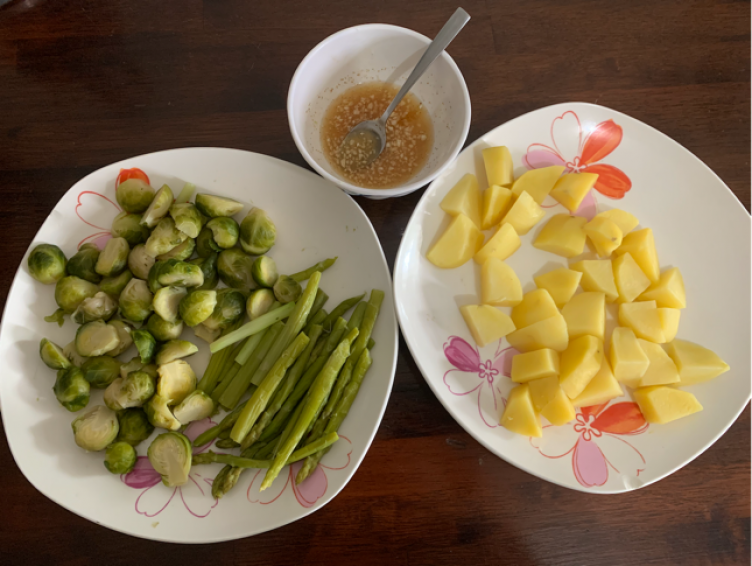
x,y
642,317
464,198
625,221
669,322
538,182
519,415
586,315
605,235
661,404
524,214
499,284
562,235
487,324
501,245
629,278
559,410
668,291
695,363
579,363
641,245
601,389
572,188
543,391
597,276
535,365
459,242
560,283
499,166
628,360
536,305
496,203
548,333
662,369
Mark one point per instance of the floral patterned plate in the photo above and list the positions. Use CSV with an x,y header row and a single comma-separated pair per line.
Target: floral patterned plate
x,y
314,220
699,225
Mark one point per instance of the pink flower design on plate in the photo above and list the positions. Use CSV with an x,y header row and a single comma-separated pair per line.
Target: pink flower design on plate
x,y
471,375
97,211
595,439
155,497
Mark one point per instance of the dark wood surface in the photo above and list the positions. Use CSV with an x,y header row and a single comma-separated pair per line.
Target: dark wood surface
x,y
87,83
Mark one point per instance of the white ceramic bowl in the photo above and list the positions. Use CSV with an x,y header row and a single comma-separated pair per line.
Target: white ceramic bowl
x,y
377,52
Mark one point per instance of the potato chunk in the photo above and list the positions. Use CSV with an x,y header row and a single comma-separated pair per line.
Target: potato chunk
x,y
560,283
641,245
579,363
536,305
499,166
597,276
662,369
642,317
629,278
459,242
519,415
501,245
695,363
662,404
624,220
547,333
499,284
562,235
535,365
524,214
602,388
628,360
487,324
538,182
464,198
586,315
571,189
668,291
496,203
669,322
605,235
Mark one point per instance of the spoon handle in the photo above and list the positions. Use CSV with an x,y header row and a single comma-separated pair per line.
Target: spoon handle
x,y
436,47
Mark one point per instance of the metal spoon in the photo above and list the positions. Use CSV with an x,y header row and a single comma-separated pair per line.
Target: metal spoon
x,y
370,135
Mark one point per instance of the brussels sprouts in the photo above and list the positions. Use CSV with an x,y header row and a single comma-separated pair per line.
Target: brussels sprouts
x,y
113,258
83,262
176,273
96,429
208,267
124,333
71,389
287,290
52,355
139,262
135,300
206,334
134,426
181,252
197,306
119,458
96,338
159,413
70,291
135,364
57,316
264,271
167,302
72,354
259,302
234,268
145,344
170,455
158,207
198,405
99,307
187,218
175,349
214,206
257,232
229,308
164,330
133,391
47,264
225,231
101,371
164,238
114,285
153,279
129,226
205,244
176,381
134,195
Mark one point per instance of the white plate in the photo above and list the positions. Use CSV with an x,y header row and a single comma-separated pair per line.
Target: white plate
x,y
699,226
315,220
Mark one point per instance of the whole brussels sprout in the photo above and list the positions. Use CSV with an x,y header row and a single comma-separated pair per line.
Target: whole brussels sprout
x,y
119,458
114,285
71,389
208,267
234,268
133,391
170,455
129,226
52,355
99,307
135,364
164,238
176,381
167,302
159,413
100,371
139,262
176,273
113,258
187,218
135,300
229,308
164,330
198,405
96,429
225,231
259,302
206,334
257,232
47,264
96,338
287,290
197,306
83,262
214,206
134,426
264,271
72,354
175,349
134,195
205,244
158,208
181,252
124,333
145,344
70,292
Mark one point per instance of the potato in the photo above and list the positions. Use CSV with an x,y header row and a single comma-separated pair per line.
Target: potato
x,y
501,245
579,363
585,314
695,363
543,391
624,220
560,283
605,235
662,369
499,284
487,324
464,198
601,389
459,242
662,404
547,333
629,278
559,410
535,365
642,317
519,415
669,322
668,291
496,203
597,276
641,245
572,188
628,360
524,214
499,166
536,305
538,182
562,235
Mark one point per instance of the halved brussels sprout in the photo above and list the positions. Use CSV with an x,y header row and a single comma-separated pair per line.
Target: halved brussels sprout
x,y
129,226
264,271
229,308
145,344
83,262
134,195
139,262
206,334
95,429
214,206
70,291
158,208
96,338
208,267
125,334
164,330
167,302
259,302
176,273
257,232
119,458
287,290
52,355
114,285
159,413
175,349
133,391
135,300
134,426
181,252
198,405
197,306
170,455
47,263
113,258
187,218
205,244
71,389
234,268
99,307
100,371
176,381
153,279
72,354
135,364
225,231
164,238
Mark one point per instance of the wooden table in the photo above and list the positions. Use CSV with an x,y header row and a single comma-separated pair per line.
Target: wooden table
x,y
87,83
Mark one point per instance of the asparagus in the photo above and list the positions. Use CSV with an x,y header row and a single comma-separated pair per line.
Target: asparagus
x,y
251,328
317,318
226,423
252,343
371,343
318,302
341,309
320,267
357,316
325,347
210,378
225,383
240,462
226,443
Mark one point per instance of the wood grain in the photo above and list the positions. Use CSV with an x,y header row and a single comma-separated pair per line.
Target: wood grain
x,y
85,83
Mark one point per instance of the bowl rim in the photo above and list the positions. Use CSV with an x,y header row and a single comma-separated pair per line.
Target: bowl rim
x,y
349,187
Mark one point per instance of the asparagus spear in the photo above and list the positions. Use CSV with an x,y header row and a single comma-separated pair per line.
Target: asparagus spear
x,y
228,443
318,302
226,423
251,328
341,309
240,462
320,267
316,318
357,316
210,378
